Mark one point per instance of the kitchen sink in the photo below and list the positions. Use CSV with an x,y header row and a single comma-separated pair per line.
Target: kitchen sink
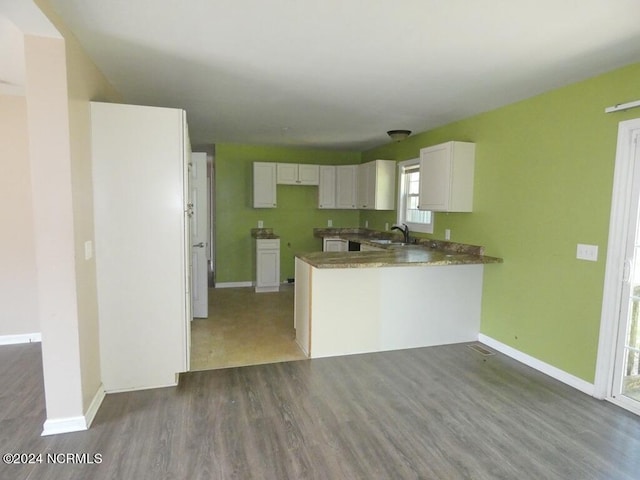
x,y
385,241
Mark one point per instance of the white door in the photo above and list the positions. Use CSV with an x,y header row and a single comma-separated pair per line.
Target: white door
x,y
199,235
626,378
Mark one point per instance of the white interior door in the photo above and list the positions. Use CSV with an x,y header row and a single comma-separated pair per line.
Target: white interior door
x,y
199,235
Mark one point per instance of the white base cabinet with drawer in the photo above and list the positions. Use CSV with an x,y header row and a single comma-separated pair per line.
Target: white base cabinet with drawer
x,y
267,265
335,245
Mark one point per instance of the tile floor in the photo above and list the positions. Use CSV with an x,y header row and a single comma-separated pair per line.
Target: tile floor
x,y
244,328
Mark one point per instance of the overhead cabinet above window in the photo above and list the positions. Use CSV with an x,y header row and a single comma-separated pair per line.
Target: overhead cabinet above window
x,y
446,177
298,174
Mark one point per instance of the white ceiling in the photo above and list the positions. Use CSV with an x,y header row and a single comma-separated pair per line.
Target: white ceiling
x,y
340,73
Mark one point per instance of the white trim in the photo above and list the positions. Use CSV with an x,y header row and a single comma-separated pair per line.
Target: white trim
x,y
622,106
539,365
267,289
91,412
56,426
626,403
401,210
150,387
22,338
618,231
233,284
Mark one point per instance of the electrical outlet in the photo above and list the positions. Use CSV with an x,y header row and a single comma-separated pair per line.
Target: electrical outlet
x,y
260,224
587,252
386,226
447,234
329,223
366,224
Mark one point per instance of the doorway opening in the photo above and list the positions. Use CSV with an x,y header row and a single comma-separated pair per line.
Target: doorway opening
x,y
236,326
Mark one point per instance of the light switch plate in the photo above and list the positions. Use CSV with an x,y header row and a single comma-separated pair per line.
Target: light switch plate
x,y
447,234
587,252
329,223
260,224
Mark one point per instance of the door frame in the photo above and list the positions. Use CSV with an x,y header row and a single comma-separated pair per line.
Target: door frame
x,y
621,202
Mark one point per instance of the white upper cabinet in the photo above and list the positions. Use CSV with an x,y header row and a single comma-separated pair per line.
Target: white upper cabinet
x,y
376,185
264,185
327,187
346,186
446,177
298,174
308,174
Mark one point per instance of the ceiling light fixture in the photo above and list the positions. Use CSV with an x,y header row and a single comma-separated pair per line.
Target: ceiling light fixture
x,y
398,135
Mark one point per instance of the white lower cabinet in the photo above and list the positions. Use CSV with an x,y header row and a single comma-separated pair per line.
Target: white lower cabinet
x,y
267,265
335,245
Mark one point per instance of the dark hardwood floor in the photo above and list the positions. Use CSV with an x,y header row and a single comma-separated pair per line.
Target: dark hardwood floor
x,y
431,413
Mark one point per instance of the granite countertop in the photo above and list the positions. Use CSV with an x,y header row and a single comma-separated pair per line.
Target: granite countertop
x,y
426,252
263,233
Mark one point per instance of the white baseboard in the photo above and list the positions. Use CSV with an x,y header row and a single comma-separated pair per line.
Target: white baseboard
x,y
233,284
22,338
267,289
137,389
91,412
55,426
539,365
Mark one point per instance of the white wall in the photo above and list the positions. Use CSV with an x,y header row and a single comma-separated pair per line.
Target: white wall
x,y
11,58
18,283
49,152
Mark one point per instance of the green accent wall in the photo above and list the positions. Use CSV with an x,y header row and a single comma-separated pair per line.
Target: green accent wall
x,y
293,220
543,184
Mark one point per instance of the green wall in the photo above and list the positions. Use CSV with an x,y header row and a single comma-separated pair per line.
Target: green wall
x,y
543,183
293,220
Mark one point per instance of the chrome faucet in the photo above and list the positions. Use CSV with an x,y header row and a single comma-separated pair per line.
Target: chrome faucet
x,y
404,229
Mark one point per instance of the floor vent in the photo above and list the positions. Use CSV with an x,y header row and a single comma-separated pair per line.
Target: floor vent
x,y
481,349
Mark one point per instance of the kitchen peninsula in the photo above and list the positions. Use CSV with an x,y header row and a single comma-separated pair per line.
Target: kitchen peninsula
x,y
394,297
